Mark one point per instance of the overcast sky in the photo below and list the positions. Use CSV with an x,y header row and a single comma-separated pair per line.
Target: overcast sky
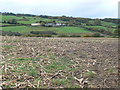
x,y
75,8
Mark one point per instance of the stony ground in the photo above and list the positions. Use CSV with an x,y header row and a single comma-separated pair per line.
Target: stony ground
x,y
59,62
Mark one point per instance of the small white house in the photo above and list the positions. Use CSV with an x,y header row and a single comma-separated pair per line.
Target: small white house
x,y
35,24
58,24
63,24
49,24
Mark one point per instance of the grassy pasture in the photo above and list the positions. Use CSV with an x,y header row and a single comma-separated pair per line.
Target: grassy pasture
x,y
6,17
108,23
72,30
27,29
29,18
104,23
100,27
4,24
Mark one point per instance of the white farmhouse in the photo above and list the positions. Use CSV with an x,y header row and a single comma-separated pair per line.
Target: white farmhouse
x,y
58,24
35,24
49,24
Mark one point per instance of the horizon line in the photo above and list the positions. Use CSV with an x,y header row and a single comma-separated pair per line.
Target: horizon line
x,y
62,15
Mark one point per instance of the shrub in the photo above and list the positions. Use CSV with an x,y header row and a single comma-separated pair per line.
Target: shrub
x,y
43,32
87,35
75,35
29,35
9,33
63,35
90,74
96,35
36,35
46,35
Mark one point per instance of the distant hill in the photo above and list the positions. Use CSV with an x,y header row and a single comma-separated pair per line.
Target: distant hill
x,y
61,25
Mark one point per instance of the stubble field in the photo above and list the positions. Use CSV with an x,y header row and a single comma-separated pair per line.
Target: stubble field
x,y
59,62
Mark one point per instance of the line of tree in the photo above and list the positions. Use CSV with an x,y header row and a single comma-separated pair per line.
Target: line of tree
x,y
103,31
113,20
10,33
11,21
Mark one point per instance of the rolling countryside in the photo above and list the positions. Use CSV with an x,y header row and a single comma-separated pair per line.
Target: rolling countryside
x,y
62,25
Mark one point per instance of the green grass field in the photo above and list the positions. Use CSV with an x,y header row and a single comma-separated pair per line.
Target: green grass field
x,y
29,18
15,28
108,24
27,29
6,17
103,23
24,29
4,24
72,30
100,27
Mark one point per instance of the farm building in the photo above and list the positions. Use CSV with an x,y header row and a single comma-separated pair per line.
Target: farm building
x,y
35,24
58,24
55,24
49,24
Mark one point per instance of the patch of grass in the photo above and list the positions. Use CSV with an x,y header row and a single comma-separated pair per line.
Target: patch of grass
x,y
8,17
55,67
51,56
112,70
66,83
90,74
9,86
59,82
27,22
4,24
58,64
8,46
22,59
108,23
2,62
65,61
27,29
33,71
61,31
15,28
20,68
71,30
26,68
100,27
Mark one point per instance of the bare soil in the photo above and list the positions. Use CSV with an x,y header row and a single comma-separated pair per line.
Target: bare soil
x,y
59,62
